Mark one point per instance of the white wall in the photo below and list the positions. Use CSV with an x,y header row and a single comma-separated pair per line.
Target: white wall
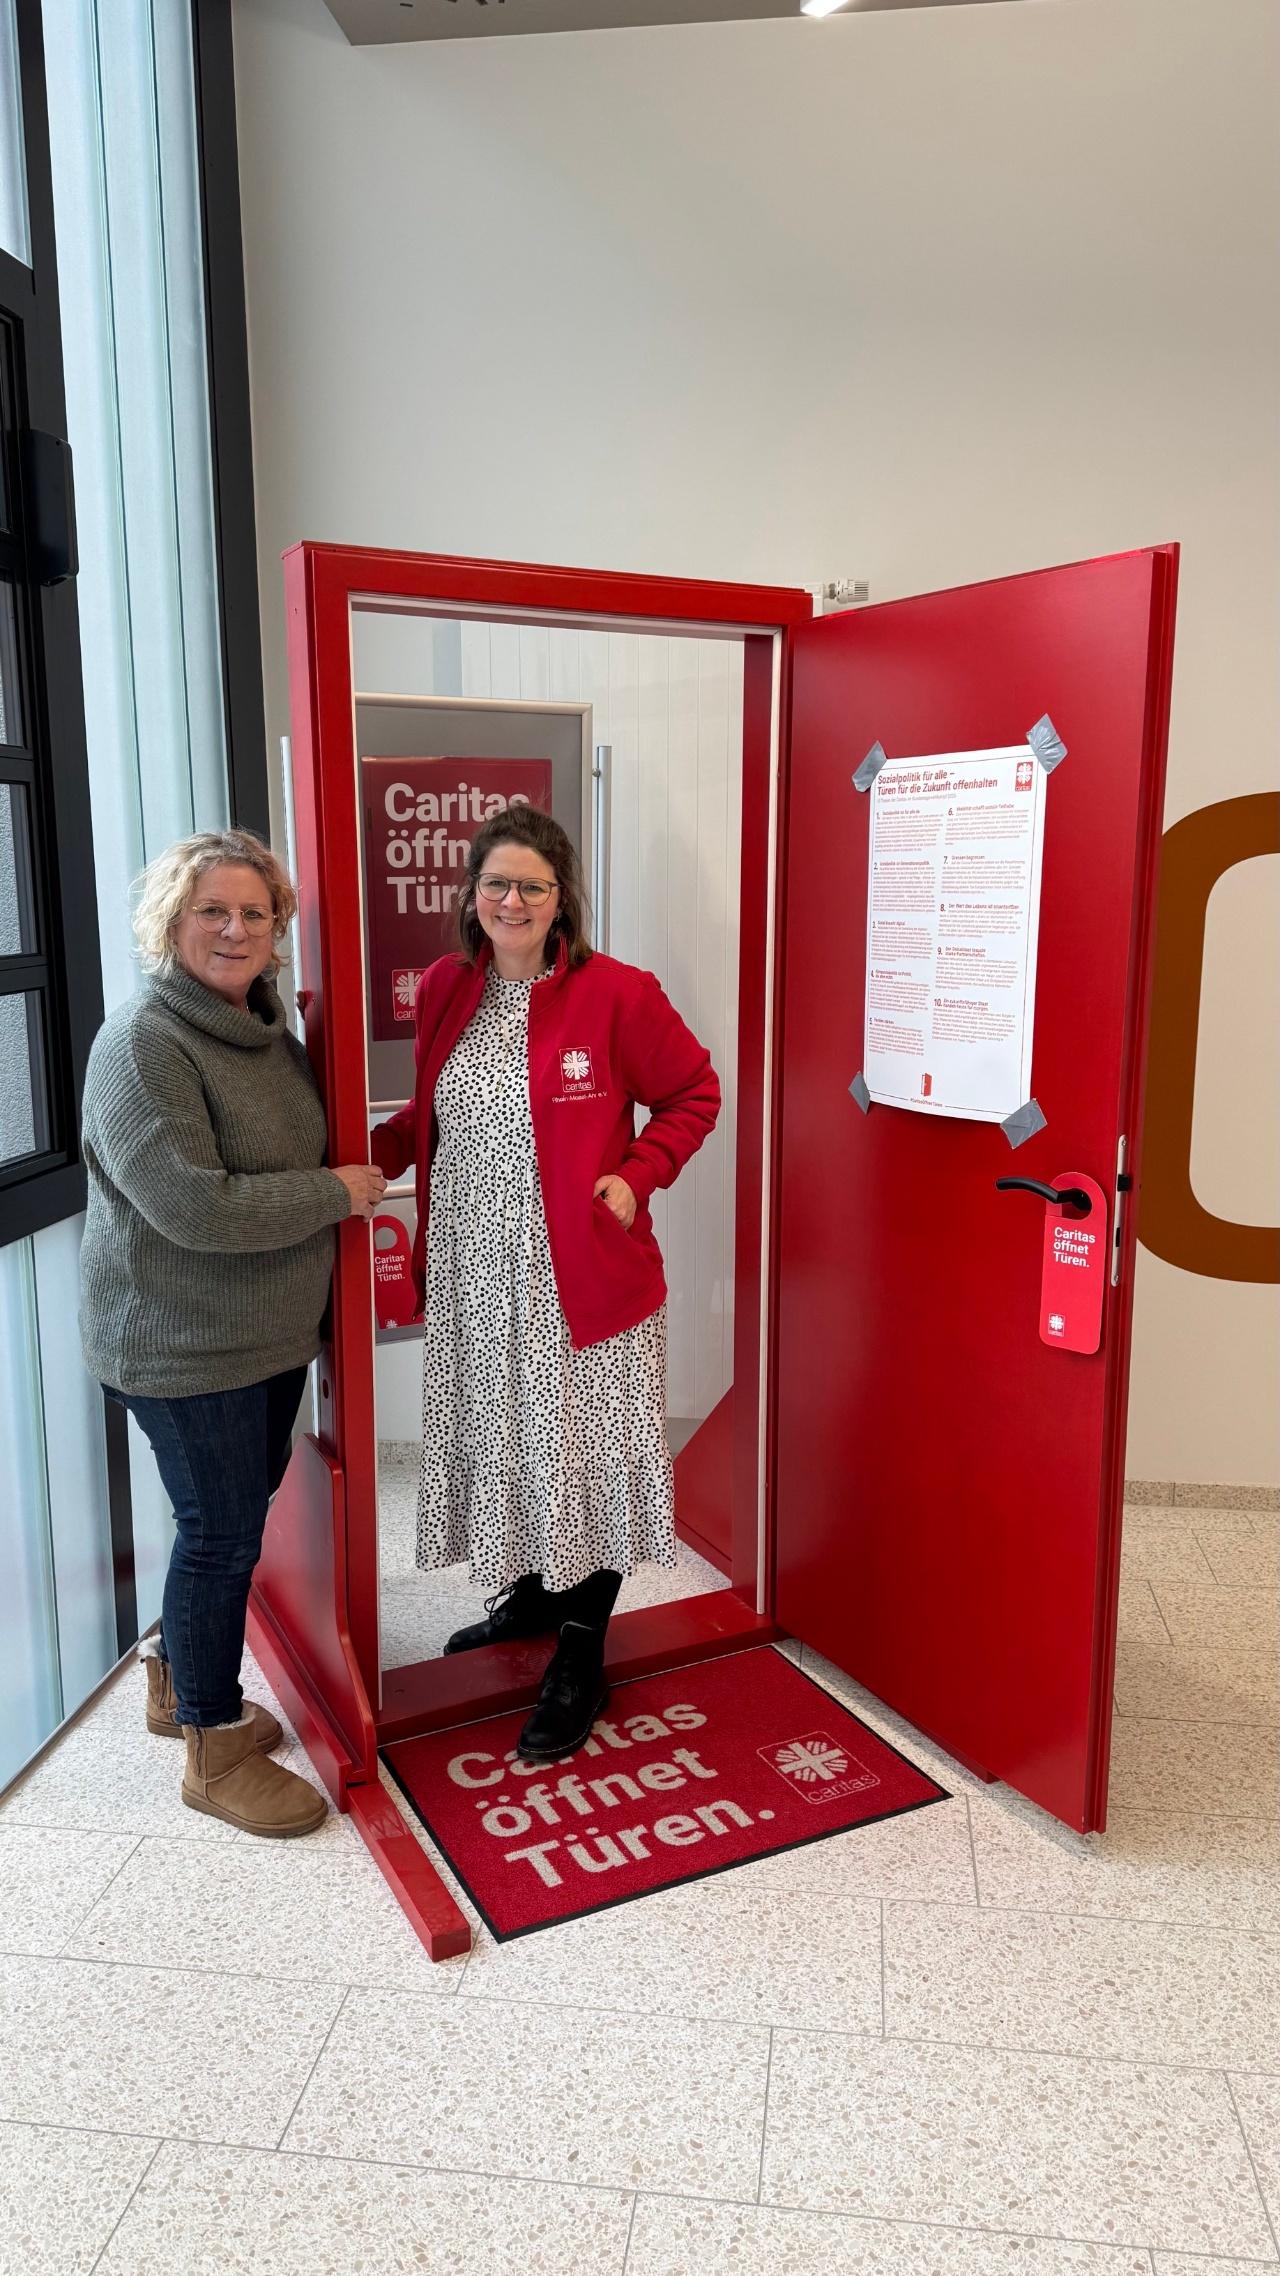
x,y
925,296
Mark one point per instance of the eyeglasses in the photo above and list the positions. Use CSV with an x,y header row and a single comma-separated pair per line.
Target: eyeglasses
x,y
533,891
213,918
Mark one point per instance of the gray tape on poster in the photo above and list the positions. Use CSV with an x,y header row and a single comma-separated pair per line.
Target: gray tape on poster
x,y
1024,1122
876,758
1047,743
859,1093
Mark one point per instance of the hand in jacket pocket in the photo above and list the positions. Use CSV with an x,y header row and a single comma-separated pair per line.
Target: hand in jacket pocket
x,y
617,1197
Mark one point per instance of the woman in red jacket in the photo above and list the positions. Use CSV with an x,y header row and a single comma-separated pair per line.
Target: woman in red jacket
x,y
544,1450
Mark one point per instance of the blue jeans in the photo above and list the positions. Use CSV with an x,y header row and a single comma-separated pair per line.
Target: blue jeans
x,y
220,1455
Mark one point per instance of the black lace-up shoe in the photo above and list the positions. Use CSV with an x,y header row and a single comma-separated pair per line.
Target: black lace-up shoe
x,y
524,1609
573,1693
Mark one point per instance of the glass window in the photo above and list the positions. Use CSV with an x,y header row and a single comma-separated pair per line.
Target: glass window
x,y
24,1119
10,685
17,898
14,236
30,1687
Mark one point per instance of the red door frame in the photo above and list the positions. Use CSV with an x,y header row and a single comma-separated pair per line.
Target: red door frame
x,y
314,1612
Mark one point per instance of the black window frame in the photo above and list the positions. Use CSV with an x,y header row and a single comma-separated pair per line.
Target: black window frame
x,y
44,1188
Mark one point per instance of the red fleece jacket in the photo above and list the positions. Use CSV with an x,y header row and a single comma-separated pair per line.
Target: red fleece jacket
x,y
602,1040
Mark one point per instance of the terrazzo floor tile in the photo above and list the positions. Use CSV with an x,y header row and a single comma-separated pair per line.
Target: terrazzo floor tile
x,y
1258,1498
101,1778
1184,2264
924,1853
1258,2102
551,2094
1148,1865
710,1951
1209,1618
1138,1615
289,1912
1053,1984
213,2058
50,1880
1228,1771
201,2211
61,2194
1240,1560
1106,2153
1144,1493
670,2238
1151,1549
1165,1685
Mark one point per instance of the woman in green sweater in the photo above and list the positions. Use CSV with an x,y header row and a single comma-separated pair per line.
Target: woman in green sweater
x,y
205,1271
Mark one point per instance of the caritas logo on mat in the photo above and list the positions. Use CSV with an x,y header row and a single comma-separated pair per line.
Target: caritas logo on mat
x,y
822,1770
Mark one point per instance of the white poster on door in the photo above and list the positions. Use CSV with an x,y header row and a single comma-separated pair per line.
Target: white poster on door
x,y
953,918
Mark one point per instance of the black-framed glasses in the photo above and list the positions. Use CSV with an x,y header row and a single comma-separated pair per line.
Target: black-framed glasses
x,y
214,917
533,891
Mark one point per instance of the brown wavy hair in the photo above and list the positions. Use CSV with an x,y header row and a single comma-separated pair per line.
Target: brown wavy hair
x,y
523,825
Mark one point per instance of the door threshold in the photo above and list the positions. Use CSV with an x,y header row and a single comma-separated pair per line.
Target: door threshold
x,y
433,1695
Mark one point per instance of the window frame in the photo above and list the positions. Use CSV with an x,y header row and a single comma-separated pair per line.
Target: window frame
x,y
41,1189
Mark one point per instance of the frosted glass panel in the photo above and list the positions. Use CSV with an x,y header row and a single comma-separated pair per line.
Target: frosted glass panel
x,y
30,1692
13,173
123,146
24,1127
76,1467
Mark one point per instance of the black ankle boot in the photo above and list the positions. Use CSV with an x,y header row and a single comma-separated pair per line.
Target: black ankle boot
x,y
572,1695
524,1609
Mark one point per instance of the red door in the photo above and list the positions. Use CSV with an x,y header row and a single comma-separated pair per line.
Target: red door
x,y
949,1485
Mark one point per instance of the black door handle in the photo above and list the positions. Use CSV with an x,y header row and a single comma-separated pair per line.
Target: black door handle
x,y
1064,1196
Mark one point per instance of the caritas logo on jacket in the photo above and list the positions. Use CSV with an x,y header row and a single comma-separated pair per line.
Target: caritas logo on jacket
x,y
603,1039
577,1076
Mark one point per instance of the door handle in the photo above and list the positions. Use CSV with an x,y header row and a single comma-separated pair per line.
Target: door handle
x,y
1062,1196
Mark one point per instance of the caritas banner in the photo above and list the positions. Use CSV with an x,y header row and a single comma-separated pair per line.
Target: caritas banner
x,y
420,816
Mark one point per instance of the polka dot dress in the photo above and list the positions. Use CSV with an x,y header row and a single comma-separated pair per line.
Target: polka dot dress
x,y
536,1458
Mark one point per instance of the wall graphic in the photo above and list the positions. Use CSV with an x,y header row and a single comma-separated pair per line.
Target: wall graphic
x,y
1172,1222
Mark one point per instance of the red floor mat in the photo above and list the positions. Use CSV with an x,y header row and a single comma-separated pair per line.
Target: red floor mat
x,y
685,1775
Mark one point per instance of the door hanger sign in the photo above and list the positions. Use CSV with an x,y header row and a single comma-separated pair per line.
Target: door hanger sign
x,y
1073,1274
395,1299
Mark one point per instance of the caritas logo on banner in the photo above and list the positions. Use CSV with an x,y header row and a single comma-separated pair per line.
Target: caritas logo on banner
x,y
420,816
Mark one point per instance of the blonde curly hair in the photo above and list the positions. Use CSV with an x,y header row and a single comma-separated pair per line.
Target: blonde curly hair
x,y
167,884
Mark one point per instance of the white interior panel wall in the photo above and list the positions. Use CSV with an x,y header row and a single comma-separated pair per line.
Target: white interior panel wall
x,y
671,711
924,296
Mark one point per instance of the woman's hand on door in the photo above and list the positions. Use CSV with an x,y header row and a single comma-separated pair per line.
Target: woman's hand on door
x,y
617,1196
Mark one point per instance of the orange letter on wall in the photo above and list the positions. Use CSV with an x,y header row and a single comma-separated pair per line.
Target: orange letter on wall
x,y
1196,853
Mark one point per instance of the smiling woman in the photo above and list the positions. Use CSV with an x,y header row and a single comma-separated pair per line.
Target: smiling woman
x,y
544,1451
207,1253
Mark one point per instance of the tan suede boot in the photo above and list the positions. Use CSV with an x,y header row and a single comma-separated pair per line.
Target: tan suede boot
x,y
162,1709
227,1777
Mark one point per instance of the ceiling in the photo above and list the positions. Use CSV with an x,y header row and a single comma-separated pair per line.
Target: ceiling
x,y
380,23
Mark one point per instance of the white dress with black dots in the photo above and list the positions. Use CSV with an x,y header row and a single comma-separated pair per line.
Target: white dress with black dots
x,y
536,1458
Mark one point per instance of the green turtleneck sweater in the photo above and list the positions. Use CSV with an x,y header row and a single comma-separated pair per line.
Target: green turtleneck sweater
x,y
208,1243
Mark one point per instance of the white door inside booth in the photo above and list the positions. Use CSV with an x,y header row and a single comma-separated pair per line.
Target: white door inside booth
x,y
658,720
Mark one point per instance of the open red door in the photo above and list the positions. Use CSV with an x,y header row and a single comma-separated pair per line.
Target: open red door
x,y
949,1485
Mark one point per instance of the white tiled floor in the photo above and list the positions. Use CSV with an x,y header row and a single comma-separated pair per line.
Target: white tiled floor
x,y
962,2043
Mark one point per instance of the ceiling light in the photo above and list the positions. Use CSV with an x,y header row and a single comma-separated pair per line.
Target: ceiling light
x,y
821,7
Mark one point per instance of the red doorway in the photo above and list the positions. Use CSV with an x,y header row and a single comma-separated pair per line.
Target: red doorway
x,y
825,1201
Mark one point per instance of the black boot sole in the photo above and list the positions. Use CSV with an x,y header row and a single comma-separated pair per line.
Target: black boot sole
x,y
566,1746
